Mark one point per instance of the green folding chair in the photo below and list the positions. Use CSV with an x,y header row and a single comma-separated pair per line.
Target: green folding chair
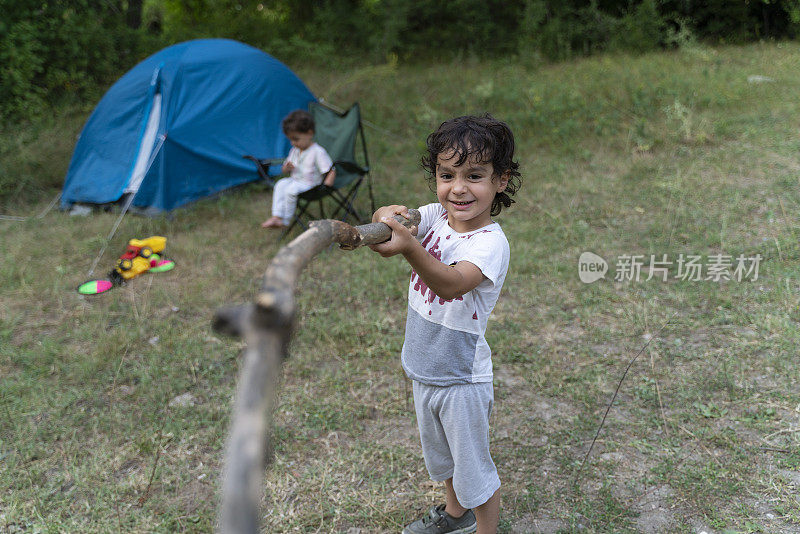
x,y
342,136
338,133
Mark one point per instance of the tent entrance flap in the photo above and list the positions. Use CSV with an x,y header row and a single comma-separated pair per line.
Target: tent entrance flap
x,y
142,164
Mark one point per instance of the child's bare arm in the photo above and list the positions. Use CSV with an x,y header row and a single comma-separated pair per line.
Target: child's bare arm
x,y
447,281
330,177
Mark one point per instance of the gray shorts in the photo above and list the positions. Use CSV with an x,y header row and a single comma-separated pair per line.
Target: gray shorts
x,y
454,430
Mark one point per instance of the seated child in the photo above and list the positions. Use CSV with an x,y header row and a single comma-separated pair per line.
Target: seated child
x,y
459,265
307,164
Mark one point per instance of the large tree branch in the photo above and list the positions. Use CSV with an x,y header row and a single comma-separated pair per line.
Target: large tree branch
x,y
266,325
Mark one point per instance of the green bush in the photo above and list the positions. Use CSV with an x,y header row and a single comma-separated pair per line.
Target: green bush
x,y
52,49
561,30
21,61
641,29
75,48
735,21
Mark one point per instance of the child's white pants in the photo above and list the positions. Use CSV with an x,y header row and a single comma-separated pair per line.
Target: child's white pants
x,y
284,197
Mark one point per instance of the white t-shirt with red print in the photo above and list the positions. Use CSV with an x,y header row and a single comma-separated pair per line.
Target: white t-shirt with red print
x,y
445,343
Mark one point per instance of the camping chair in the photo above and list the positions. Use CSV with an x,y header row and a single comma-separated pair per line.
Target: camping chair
x,y
337,132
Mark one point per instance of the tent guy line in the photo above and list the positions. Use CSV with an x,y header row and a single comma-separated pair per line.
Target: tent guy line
x,y
40,216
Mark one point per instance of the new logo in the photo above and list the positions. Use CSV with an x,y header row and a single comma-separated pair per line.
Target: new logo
x,y
591,267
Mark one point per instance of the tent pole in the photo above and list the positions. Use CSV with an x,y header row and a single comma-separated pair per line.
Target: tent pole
x,y
128,202
127,205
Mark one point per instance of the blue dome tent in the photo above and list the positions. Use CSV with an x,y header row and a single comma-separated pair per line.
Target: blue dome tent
x,y
175,127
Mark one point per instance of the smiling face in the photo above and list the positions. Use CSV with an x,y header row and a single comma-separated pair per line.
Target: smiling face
x,y
301,140
466,191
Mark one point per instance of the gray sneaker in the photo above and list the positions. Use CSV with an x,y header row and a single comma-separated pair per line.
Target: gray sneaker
x,y
440,522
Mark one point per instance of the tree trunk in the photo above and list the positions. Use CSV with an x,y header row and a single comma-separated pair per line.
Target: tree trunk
x,y
133,14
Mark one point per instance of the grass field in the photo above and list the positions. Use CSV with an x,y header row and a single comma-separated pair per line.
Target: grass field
x,y
665,154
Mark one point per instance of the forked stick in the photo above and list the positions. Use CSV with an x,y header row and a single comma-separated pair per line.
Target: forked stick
x,y
266,325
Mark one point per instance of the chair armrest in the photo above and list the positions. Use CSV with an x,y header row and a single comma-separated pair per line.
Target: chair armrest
x,y
349,166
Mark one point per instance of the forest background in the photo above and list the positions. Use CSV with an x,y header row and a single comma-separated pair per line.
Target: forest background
x,y
73,49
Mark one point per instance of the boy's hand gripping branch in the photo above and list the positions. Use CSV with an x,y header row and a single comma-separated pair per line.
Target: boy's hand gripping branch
x,y
379,232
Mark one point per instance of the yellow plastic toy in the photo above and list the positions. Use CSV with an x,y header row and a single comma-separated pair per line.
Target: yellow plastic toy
x,y
136,258
155,243
141,255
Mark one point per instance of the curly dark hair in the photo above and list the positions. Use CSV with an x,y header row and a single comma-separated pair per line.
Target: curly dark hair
x,y
298,120
483,137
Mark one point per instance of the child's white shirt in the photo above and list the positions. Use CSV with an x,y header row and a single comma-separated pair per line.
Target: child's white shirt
x,y
445,343
309,165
